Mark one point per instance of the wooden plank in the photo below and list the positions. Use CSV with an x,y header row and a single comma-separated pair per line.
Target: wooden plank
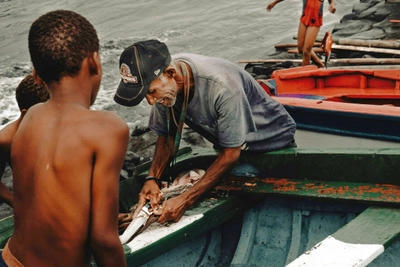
x,y
349,61
369,43
367,61
296,51
376,225
293,45
360,165
352,48
369,193
356,244
365,49
272,60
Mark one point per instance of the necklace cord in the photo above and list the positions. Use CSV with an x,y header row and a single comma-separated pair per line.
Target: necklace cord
x,y
178,135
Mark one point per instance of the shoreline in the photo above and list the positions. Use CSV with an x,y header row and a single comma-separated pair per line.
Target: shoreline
x,y
369,35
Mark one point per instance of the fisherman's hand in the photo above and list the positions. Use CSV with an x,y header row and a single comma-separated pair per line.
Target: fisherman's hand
x,y
150,192
171,210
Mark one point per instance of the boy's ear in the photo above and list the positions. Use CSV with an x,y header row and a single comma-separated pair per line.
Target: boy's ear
x,y
37,79
23,112
94,63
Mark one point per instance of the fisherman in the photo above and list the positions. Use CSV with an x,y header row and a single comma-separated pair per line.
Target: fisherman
x,y
27,93
309,25
66,158
220,101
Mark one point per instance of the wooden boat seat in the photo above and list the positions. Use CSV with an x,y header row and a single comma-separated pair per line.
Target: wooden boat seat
x,y
358,243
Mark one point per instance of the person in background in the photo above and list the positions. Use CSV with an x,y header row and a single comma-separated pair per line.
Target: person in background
x,y
66,158
225,104
310,23
27,94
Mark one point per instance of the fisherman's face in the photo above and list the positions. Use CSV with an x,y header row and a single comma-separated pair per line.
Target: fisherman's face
x,y
162,90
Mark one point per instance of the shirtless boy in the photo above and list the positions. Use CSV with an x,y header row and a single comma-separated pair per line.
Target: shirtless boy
x,y
66,158
310,22
28,93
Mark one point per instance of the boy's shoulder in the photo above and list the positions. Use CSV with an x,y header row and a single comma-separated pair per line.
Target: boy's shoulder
x,y
100,120
7,134
106,116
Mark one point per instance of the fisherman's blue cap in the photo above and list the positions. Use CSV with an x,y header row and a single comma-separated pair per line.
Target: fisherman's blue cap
x,y
139,65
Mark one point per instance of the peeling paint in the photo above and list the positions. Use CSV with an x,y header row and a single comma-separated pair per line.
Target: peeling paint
x,y
307,188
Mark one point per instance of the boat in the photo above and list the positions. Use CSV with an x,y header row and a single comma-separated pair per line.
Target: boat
x,y
291,207
362,102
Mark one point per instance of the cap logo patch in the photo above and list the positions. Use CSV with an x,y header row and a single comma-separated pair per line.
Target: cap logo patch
x,y
156,72
126,75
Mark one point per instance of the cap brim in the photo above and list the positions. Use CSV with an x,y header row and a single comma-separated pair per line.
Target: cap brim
x,y
129,95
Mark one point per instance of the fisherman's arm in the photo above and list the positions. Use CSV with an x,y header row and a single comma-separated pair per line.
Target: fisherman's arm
x,y
174,208
151,191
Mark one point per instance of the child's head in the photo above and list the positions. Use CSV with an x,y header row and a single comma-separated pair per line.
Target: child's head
x,y
58,43
28,93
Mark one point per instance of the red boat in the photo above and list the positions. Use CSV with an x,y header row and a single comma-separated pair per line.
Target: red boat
x,y
357,102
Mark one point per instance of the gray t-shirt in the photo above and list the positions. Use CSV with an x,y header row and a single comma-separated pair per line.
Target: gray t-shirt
x,y
231,106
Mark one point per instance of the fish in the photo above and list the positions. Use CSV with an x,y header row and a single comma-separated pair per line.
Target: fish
x,y
136,224
182,183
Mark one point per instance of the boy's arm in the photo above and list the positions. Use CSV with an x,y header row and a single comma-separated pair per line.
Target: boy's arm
x,y
6,137
5,194
104,239
270,6
332,7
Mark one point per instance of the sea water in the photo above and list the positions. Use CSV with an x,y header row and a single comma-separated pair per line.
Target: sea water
x,y
231,29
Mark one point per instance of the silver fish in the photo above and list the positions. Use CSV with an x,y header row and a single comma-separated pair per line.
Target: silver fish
x,y
183,182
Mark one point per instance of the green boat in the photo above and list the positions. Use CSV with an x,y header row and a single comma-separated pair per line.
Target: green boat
x,y
302,207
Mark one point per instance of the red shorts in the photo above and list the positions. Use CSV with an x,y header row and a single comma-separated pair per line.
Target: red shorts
x,y
312,13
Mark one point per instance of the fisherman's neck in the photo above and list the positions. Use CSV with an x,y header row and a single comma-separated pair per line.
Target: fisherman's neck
x,y
184,81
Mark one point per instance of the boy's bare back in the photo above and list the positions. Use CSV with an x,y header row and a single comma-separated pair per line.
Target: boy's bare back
x,y
57,197
66,164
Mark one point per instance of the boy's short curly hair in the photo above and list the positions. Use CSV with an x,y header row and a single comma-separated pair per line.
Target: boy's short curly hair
x,y
28,93
58,43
